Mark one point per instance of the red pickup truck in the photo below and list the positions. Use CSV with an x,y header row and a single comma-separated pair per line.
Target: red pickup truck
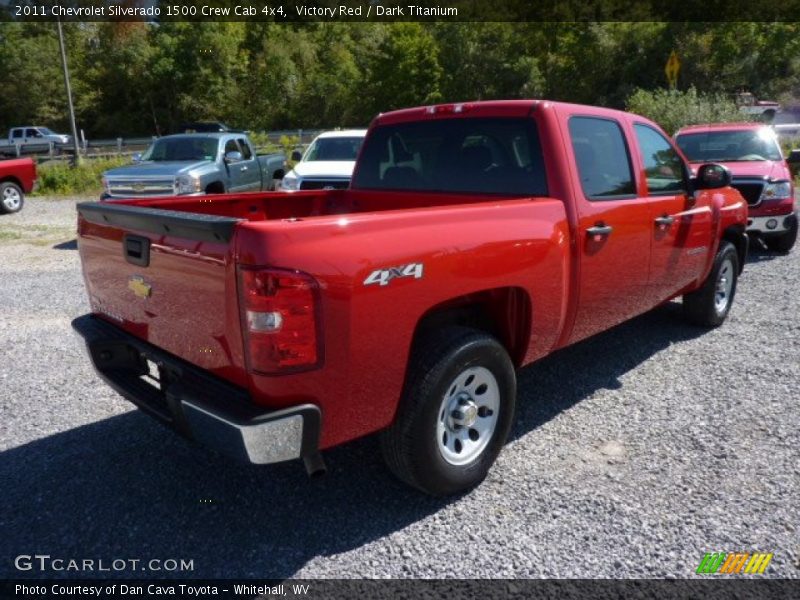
x,y
475,238
17,178
759,171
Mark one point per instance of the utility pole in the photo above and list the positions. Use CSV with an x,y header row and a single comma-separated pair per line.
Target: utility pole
x,y
76,157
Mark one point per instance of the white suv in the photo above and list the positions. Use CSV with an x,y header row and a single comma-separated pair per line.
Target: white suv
x,y
327,163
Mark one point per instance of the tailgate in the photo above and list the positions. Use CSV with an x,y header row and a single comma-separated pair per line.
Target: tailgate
x,y
166,277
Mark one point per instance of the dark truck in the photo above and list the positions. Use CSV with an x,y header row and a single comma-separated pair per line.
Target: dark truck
x,y
474,239
195,164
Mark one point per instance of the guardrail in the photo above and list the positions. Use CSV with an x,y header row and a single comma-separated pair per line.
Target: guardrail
x,y
105,148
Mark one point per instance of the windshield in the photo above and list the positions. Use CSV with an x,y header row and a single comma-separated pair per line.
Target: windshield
x,y
45,131
493,155
340,148
182,149
730,146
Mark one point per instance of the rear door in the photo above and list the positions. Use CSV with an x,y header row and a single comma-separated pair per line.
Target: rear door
x,y
681,229
614,225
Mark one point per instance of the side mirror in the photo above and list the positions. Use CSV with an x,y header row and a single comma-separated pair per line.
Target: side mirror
x,y
794,157
712,176
137,157
297,156
232,157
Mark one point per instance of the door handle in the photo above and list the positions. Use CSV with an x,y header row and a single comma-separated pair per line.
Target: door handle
x,y
243,169
601,229
665,221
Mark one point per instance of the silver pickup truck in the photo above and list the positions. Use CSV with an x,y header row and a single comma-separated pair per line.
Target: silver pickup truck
x,y
193,164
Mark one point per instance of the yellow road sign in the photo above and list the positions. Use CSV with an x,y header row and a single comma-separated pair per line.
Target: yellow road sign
x,y
672,68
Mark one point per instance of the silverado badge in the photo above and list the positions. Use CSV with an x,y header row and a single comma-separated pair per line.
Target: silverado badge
x,y
138,286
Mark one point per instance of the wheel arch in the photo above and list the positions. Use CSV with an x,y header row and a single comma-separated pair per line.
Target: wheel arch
x,y
506,313
14,180
735,234
215,187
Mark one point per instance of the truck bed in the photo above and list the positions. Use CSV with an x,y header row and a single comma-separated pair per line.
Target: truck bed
x,y
186,301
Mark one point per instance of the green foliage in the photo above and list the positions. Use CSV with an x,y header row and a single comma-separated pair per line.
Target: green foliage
x,y
673,109
59,178
140,79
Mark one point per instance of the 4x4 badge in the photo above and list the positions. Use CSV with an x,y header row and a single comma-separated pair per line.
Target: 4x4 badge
x,y
384,276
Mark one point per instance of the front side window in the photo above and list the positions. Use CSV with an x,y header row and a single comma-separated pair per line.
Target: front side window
x,y
662,166
601,155
246,154
462,155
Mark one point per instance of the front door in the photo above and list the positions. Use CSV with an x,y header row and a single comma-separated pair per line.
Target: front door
x,y
681,229
250,173
614,227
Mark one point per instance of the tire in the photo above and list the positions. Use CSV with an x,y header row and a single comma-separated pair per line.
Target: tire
x,y
11,198
785,242
455,413
709,305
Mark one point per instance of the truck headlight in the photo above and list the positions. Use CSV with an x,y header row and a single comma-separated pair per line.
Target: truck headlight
x,y
106,187
186,184
778,190
290,182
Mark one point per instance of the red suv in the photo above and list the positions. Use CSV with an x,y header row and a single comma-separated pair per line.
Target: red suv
x,y
760,173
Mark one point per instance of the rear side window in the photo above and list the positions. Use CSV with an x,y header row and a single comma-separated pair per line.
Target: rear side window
x,y
662,165
601,155
16,133
487,156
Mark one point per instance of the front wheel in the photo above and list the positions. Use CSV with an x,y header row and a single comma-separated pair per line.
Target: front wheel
x,y
710,305
455,413
11,197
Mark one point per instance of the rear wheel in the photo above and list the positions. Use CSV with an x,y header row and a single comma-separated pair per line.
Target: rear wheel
x,y
709,305
11,197
455,413
785,242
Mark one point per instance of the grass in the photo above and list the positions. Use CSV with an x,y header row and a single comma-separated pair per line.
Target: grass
x,y
60,179
38,235
7,236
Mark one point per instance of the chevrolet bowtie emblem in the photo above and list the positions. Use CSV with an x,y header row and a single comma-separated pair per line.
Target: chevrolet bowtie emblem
x,y
137,285
137,187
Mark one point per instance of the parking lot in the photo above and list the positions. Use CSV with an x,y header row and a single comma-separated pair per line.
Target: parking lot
x,y
634,453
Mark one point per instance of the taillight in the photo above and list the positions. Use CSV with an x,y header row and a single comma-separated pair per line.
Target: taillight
x,y
279,317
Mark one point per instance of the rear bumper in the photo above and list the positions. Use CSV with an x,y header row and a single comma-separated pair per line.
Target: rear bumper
x,y
774,224
197,404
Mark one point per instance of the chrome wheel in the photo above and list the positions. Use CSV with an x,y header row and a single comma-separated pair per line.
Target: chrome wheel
x,y
468,415
724,285
12,199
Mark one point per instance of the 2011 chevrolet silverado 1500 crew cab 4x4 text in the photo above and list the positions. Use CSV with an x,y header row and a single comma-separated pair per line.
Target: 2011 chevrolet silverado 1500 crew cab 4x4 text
x,y
475,239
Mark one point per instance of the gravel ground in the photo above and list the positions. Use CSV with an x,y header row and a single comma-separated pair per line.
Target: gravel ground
x,y
634,453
